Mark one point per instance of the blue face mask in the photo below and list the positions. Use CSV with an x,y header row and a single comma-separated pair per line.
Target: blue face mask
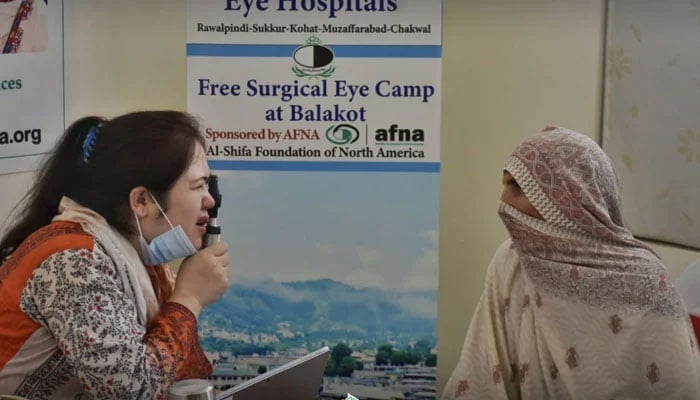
x,y
167,246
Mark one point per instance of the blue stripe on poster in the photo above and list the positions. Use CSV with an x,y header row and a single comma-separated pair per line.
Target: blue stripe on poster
x,y
230,165
286,50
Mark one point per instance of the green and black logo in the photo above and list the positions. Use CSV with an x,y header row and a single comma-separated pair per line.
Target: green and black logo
x,y
313,60
342,134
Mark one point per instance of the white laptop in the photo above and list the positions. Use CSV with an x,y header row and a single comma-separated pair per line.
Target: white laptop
x,y
299,380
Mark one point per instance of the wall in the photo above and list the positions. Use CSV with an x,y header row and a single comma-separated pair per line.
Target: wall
x,y
509,68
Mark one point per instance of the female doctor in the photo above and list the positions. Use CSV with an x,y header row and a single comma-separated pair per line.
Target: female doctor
x,y
88,305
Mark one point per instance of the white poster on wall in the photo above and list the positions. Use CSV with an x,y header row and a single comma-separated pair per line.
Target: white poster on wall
x,y
31,81
322,120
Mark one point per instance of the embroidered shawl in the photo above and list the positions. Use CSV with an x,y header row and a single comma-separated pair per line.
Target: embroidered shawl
x,y
574,306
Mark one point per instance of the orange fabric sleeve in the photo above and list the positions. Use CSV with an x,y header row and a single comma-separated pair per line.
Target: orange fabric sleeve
x,y
15,326
174,334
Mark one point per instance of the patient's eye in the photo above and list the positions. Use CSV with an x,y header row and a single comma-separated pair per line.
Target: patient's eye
x,y
513,185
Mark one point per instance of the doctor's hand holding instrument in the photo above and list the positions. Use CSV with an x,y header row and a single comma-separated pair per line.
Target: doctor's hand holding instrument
x,y
202,278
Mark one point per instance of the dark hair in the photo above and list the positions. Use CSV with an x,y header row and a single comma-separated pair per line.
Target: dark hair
x,y
146,148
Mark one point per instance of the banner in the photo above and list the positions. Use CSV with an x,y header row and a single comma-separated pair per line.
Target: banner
x,y
31,81
322,120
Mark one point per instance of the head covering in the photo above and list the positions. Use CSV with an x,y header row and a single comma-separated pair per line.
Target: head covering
x,y
581,250
574,307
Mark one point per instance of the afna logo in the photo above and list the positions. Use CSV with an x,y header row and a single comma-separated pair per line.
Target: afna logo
x,y
342,134
396,135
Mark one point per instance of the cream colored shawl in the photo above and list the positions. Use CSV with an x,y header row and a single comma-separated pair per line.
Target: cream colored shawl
x,y
574,306
134,276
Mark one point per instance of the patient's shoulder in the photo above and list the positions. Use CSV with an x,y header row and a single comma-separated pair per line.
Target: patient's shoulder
x,y
505,261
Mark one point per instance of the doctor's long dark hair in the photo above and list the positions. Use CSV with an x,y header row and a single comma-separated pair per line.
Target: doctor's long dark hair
x,y
148,148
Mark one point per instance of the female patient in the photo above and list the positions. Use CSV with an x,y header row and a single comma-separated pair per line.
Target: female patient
x,y
574,306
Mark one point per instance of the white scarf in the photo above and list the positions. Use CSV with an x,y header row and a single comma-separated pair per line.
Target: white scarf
x,y
129,266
